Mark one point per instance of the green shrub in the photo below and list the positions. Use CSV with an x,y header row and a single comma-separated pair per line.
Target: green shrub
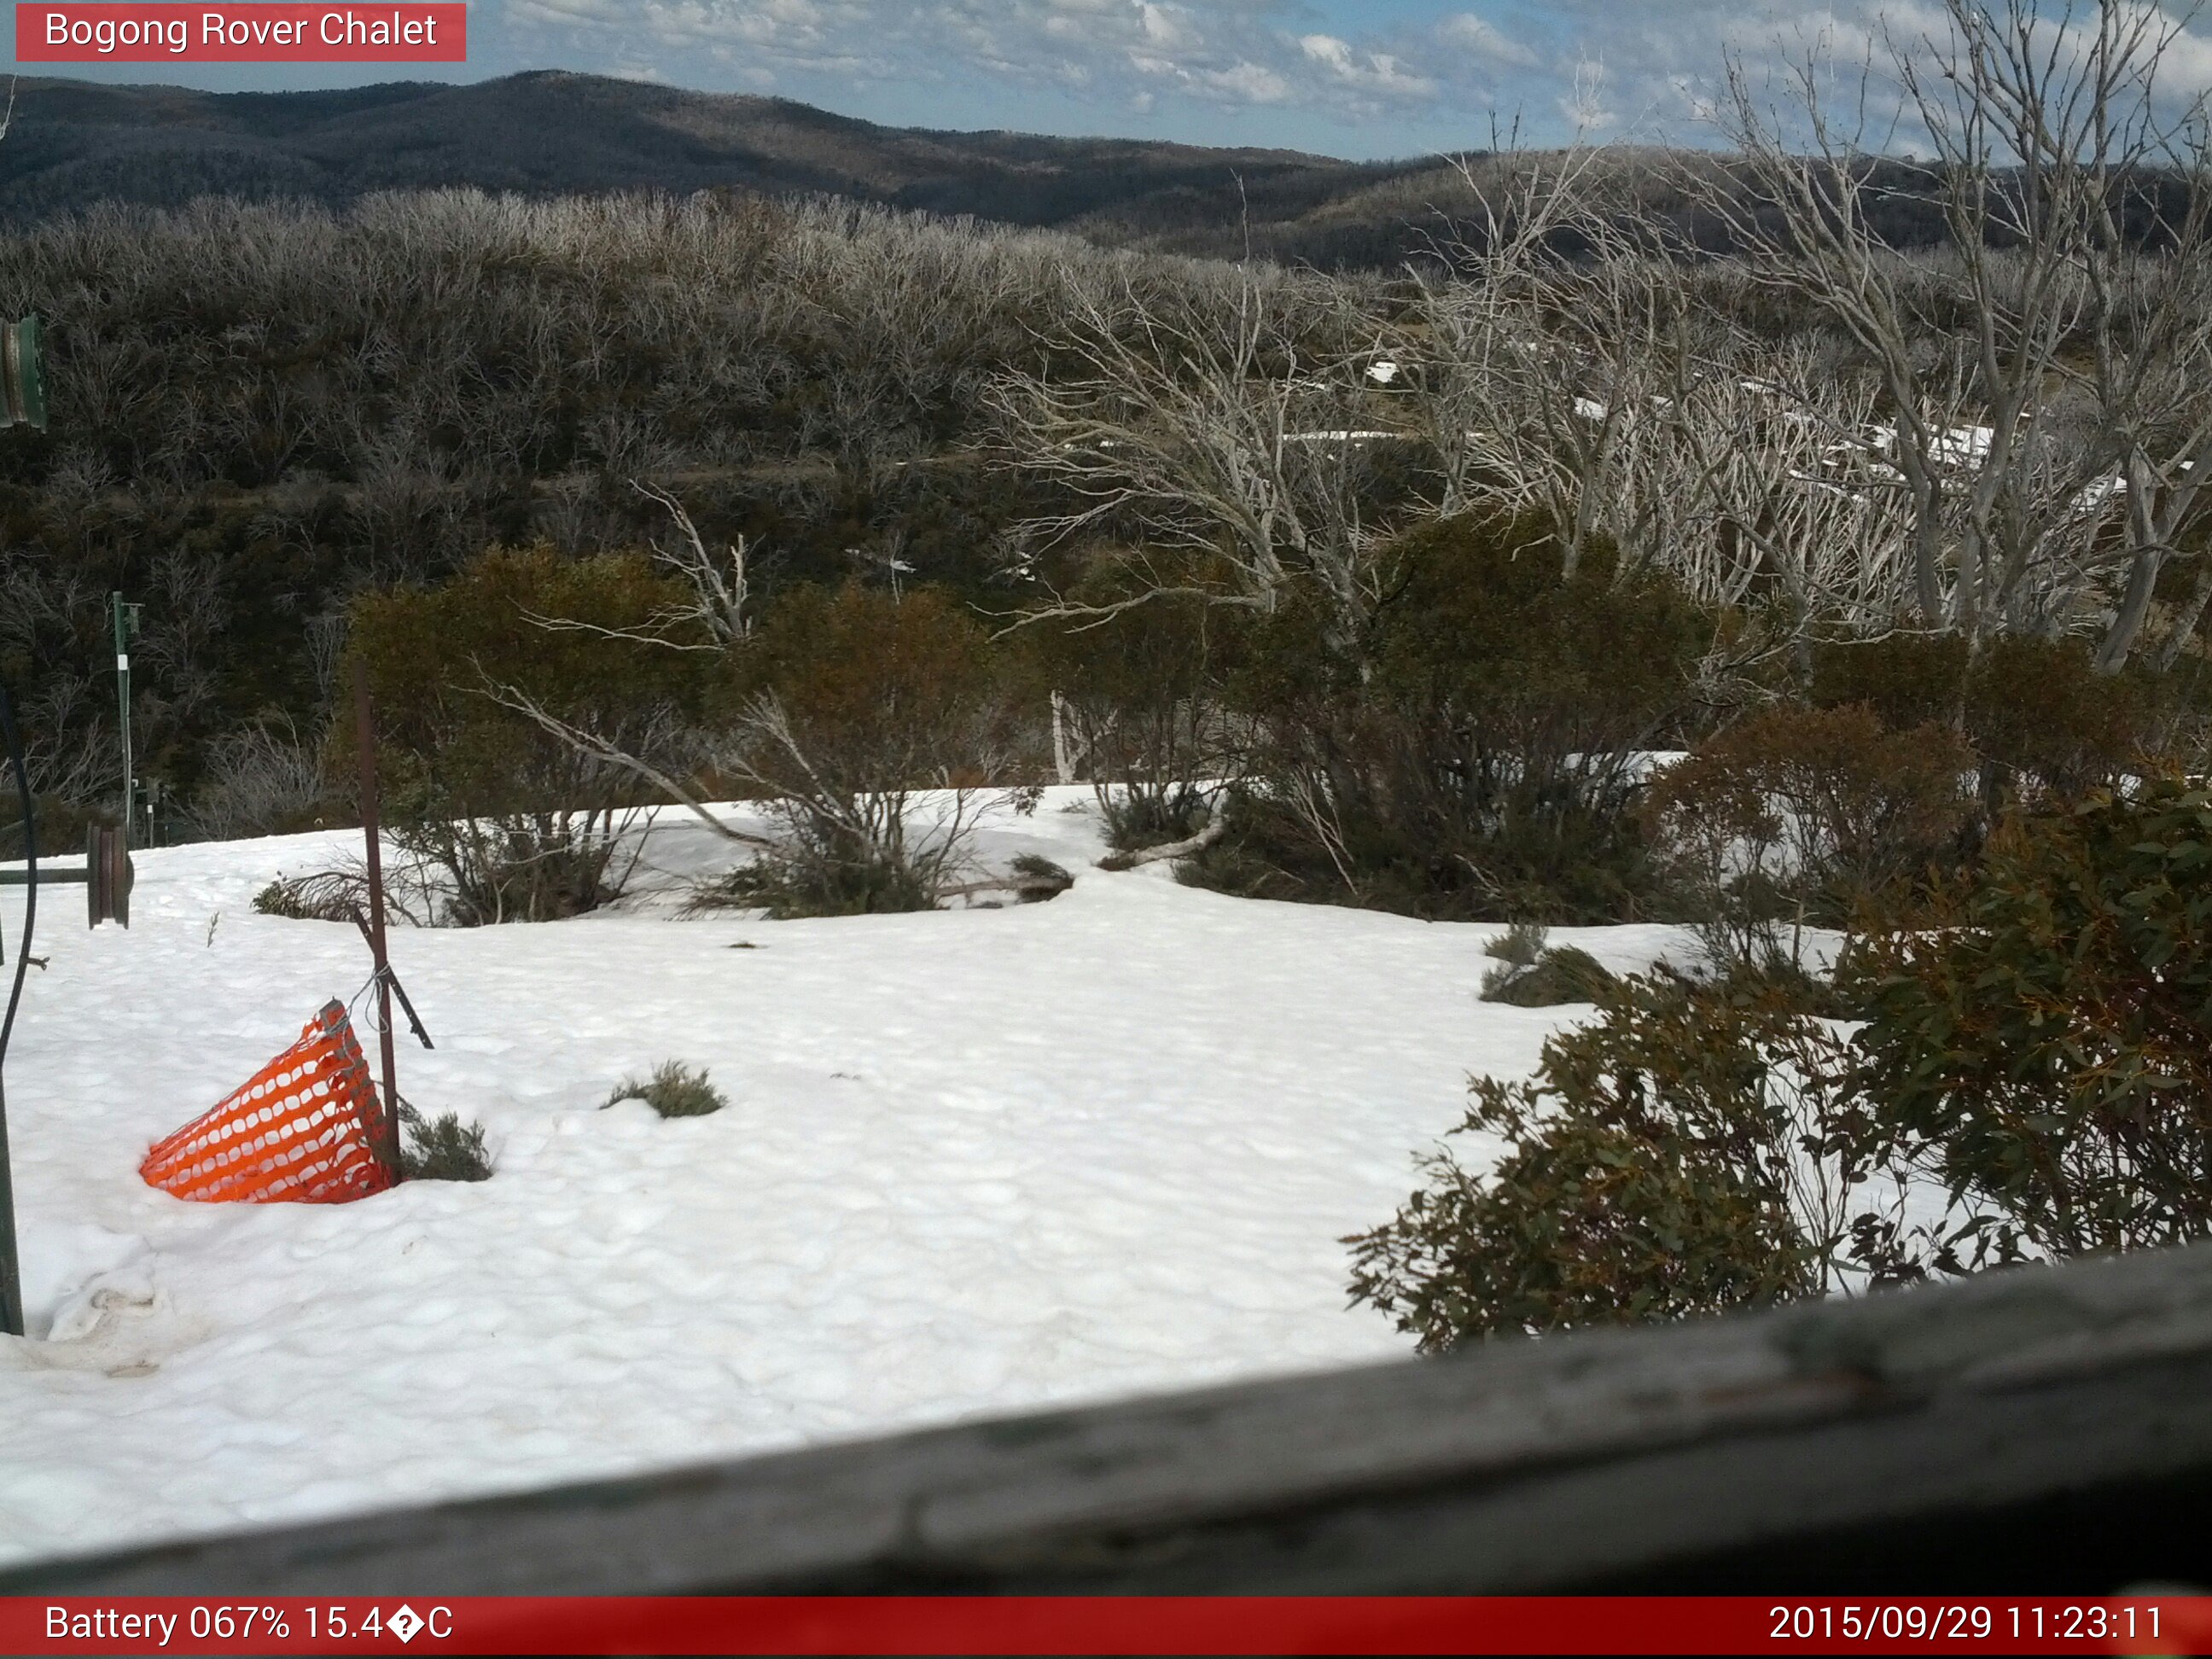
x,y
522,866
2046,1032
2037,1045
1906,679
2047,723
807,875
849,702
1531,975
674,1090
1519,945
1683,1154
1135,818
1474,753
1138,692
61,822
2037,713
1808,813
1039,879
442,1148
524,825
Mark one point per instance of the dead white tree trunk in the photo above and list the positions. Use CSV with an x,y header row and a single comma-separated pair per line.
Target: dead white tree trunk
x,y
2046,129
1221,433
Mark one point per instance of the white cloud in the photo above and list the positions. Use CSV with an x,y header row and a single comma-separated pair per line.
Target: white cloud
x,y
1485,39
1253,84
1376,72
1164,29
1216,53
1328,49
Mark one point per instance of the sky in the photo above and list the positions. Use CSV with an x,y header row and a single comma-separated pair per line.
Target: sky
x,y
1368,79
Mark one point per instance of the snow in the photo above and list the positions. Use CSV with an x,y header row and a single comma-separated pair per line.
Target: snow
x,y
973,1162
1953,446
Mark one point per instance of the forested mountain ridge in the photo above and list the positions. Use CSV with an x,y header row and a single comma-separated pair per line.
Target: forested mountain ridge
x,y
549,133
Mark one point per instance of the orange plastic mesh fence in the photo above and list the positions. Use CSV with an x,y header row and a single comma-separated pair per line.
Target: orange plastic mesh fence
x,y
306,1130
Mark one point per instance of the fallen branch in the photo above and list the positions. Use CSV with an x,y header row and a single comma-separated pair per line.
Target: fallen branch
x,y
1032,878
1022,884
1172,849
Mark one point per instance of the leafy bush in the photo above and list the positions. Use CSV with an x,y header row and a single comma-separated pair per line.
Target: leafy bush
x,y
522,866
1519,945
413,893
1136,691
2046,722
1906,679
2047,1036
2038,1046
1810,812
442,1148
674,1090
524,823
1474,753
1686,1154
1531,975
807,874
1137,818
61,822
850,702
2037,713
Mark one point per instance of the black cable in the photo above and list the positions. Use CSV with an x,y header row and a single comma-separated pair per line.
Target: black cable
x,y
11,1284
31,861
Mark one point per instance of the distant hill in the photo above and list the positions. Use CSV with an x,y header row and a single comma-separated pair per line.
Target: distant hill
x,y
550,132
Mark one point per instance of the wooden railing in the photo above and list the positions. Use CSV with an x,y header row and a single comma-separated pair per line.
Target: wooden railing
x,y
2041,1430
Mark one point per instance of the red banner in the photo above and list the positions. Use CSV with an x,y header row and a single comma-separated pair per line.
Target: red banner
x,y
76,32
1105,1625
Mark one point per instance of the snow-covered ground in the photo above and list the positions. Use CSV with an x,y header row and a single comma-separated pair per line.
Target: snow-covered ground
x,y
973,1162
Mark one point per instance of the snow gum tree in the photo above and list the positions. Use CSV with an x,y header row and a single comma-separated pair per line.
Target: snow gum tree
x,y
2048,417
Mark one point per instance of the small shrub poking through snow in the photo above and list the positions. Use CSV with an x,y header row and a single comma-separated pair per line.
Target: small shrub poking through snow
x,y
442,1148
1518,946
1039,878
800,879
674,1090
1529,975
329,895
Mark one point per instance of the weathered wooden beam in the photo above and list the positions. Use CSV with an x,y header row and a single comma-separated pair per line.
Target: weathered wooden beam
x,y
2044,1429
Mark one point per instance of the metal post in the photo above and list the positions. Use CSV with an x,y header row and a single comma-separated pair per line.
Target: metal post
x,y
125,621
11,1282
365,723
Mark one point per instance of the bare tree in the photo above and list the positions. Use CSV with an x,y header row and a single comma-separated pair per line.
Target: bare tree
x,y
1546,345
713,618
2044,128
258,781
1781,505
1564,356
1226,437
